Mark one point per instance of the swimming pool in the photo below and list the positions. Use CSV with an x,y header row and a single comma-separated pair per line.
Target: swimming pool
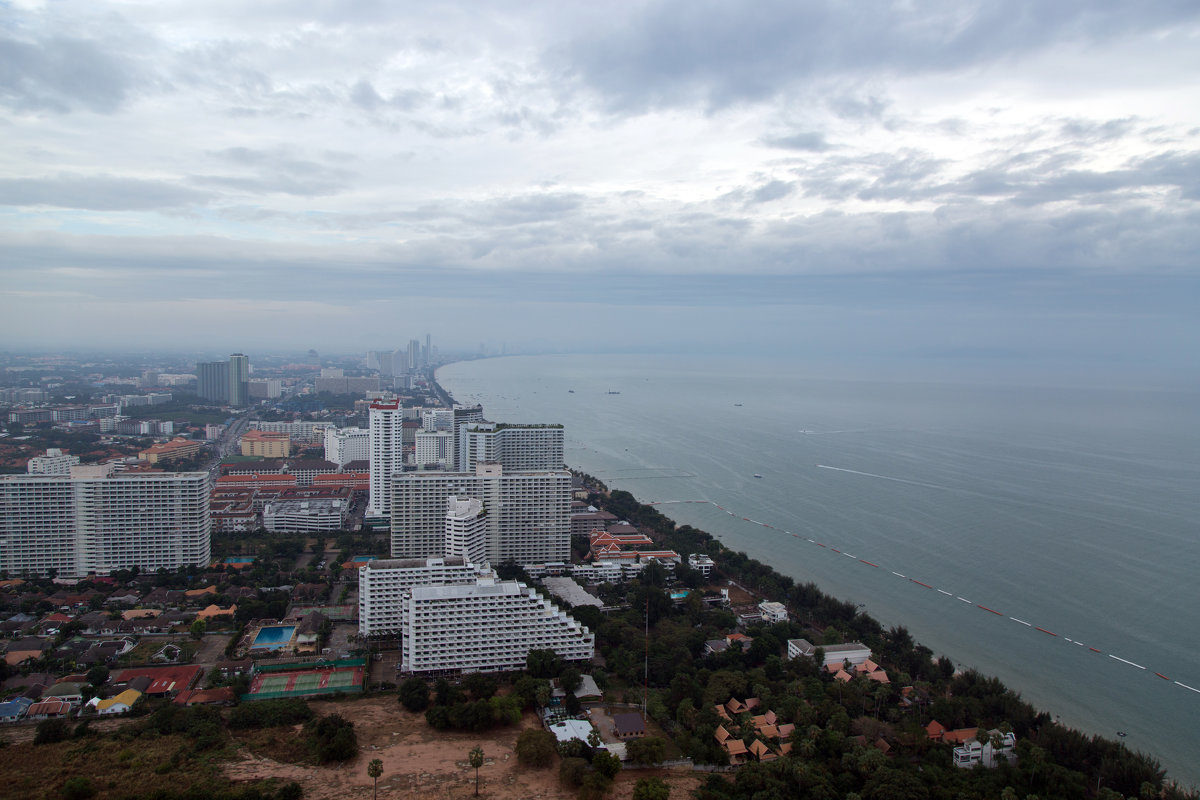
x,y
274,637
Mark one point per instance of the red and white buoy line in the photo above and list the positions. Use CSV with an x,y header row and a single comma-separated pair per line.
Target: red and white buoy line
x,y
951,595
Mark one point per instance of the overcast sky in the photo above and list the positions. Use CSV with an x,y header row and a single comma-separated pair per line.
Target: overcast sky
x,y
995,180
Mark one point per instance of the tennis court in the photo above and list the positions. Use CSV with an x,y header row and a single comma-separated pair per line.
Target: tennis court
x,y
300,682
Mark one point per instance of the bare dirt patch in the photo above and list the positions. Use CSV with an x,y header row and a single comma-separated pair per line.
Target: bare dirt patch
x,y
419,762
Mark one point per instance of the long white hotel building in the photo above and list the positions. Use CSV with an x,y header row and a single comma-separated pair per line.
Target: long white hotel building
x,y
454,617
527,513
96,521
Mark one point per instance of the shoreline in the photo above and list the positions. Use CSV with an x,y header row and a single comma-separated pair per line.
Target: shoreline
x,y
644,508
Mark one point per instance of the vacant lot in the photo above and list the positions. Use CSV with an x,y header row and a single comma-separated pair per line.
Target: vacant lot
x,y
419,762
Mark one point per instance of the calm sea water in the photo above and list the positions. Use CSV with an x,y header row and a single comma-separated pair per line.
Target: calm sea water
x,y
1075,511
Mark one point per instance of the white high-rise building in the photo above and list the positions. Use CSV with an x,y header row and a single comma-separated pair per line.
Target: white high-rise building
x,y
55,462
466,529
386,428
343,445
488,627
514,447
434,447
97,521
384,582
528,513
437,419
462,415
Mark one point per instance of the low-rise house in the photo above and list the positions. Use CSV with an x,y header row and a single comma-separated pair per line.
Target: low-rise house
x,y
119,704
772,611
994,747
14,710
854,652
27,649
52,708
68,692
206,697
629,725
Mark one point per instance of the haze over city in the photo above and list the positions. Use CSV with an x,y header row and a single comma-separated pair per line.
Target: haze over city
x,y
986,181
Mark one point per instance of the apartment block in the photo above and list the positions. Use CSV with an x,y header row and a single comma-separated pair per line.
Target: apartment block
x,y
96,521
486,627
384,584
527,512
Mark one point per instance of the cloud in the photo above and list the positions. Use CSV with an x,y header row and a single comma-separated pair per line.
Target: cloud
x,y
812,141
62,74
98,192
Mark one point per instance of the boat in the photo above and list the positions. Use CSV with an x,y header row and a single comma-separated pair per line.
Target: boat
x,y
572,391
757,475
611,392
737,405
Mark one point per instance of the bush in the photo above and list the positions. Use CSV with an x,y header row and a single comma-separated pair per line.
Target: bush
x,y
269,713
333,739
648,750
651,789
78,788
572,771
606,764
50,731
535,748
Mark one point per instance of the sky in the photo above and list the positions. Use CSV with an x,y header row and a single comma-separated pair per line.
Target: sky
x,y
993,182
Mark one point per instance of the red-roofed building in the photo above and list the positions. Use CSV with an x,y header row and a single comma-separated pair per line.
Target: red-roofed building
x,y
164,681
173,450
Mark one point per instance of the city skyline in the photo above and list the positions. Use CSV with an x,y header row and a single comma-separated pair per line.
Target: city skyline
x,y
988,181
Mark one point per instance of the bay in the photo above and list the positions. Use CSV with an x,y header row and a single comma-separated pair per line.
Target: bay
x,y
1072,512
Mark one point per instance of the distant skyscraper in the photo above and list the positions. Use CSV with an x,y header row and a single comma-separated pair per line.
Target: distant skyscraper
x,y
386,432
414,354
212,381
239,380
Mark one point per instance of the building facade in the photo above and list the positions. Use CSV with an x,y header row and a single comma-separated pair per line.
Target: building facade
x,y
514,447
527,512
487,627
386,432
466,529
239,380
96,521
55,462
343,445
384,583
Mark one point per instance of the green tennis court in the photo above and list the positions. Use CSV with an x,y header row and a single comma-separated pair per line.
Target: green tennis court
x,y
342,678
274,683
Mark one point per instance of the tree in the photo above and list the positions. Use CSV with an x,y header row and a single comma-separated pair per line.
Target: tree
x,y
651,789
374,770
50,731
199,626
647,750
476,759
414,694
536,748
606,764
543,663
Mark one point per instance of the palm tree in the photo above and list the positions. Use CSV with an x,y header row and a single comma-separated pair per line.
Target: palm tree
x,y
476,759
374,770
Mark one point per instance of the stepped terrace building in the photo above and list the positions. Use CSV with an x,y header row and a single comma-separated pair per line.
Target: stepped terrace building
x,y
489,626
96,520
385,584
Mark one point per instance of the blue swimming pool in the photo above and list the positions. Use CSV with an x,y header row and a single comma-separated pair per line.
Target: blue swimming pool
x,y
274,637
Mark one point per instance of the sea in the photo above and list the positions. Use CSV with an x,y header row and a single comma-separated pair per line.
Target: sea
x,y
1049,536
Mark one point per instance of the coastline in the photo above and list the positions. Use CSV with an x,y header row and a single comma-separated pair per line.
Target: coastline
x,y
717,546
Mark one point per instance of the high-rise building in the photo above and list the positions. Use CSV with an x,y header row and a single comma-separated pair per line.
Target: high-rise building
x,y
266,389
343,445
466,529
414,354
514,447
386,432
239,380
96,520
212,381
528,513
433,449
486,627
382,582
462,415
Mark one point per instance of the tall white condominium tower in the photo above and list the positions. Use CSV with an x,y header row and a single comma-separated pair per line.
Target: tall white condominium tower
x,y
434,448
387,454
464,414
437,419
384,582
466,529
527,520
343,445
514,447
96,521
490,626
